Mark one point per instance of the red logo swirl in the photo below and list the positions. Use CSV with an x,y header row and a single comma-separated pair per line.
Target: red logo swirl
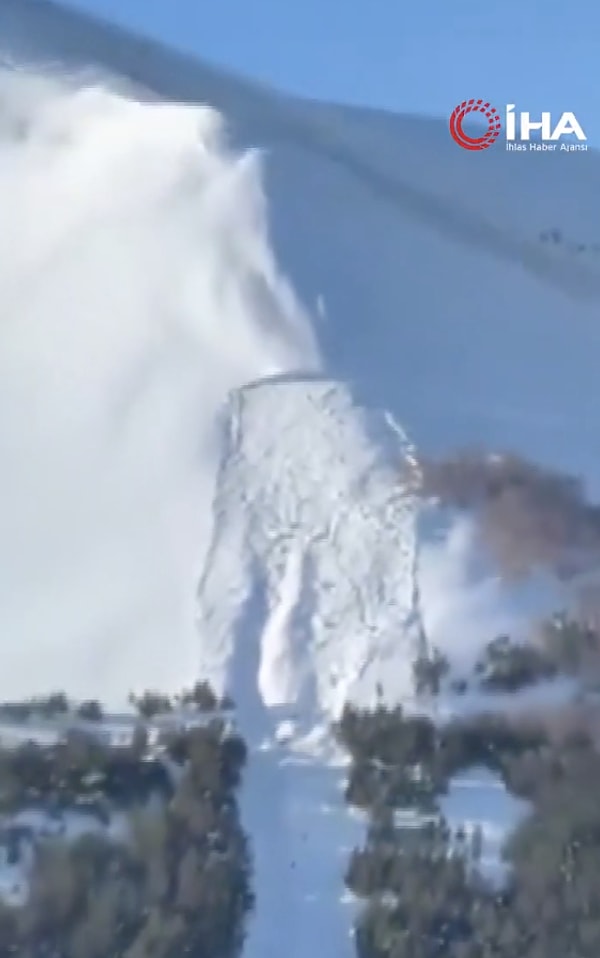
x,y
475,142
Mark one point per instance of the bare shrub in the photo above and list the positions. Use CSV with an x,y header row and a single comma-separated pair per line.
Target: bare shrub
x,y
528,516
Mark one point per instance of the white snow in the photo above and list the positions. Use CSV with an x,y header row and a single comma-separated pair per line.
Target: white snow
x,y
478,798
186,449
309,584
30,826
14,883
114,731
293,805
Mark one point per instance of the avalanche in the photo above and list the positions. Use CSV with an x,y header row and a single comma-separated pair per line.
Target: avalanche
x,y
208,467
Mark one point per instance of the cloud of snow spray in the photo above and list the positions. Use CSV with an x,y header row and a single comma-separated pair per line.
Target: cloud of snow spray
x,y
137,288
466,603
533,525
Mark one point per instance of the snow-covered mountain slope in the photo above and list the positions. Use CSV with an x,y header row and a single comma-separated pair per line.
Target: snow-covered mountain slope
x,y
139,245
409,223
216,369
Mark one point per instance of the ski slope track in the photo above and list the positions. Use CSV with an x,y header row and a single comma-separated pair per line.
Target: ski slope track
x,y
230,321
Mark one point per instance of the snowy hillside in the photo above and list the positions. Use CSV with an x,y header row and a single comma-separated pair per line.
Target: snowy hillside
x,y
233,325
426,291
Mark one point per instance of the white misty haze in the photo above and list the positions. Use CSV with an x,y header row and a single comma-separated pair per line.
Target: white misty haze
x,y
137,288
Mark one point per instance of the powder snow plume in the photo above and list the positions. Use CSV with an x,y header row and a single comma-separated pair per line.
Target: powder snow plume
x,y
137,289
